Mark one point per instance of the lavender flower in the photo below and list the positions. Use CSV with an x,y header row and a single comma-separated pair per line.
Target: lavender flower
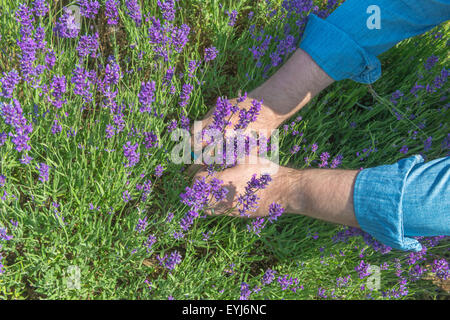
x,y
147,95
169,75
134,11
321,293
149,242
3,137
83,81
170,262
9,82
245,291
67,27
25,159
362,269
56,128
130,153
180,37
275,211
88,45
141,225
256,225
89,8
126,196
168,9
336,161
185,94
150,139
232,16
25,18
248,116
210,54
440,268
43,172
3,235
40,8
324,159
431,61
249,200
268,277
159,170
58,88
2,180
50,59
39,38
111,11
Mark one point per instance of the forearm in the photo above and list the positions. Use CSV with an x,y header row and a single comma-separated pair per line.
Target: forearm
x,y
292,86
325,194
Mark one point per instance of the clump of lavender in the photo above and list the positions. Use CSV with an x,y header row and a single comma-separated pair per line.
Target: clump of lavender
x,y
170,262
440,268
13,115
199,197
111,11
147,96
150,140
58,89
275,211
168,9
83,81
67,27
248,116
40,8
232,17
141,225
134,11
88,46
431,61
210,54
245,291
249,200
43,172
159,170
149,242
129,151
362,269
268,277
89,8
9,82
180,37
185,94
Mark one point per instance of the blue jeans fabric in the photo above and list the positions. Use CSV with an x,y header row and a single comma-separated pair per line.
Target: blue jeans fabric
x,y
345,48
409,198
402,200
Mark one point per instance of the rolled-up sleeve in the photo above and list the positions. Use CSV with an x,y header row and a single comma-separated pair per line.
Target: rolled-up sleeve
x,y
345,47
396,202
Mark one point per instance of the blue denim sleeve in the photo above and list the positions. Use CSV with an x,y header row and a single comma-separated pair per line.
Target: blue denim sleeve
x,y
344,46
396,202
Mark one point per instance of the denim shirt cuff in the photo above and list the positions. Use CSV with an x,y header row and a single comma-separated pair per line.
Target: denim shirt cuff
x,y
377,199
337,53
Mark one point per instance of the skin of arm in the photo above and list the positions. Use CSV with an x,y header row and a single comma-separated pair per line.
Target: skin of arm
x,y
289,89
319,193
325,194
